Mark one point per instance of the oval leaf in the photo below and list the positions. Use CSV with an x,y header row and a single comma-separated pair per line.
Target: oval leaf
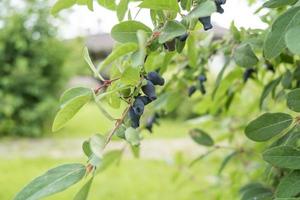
x,y
292,40
293,100
244,56
68,110
53,181
127,31
72,93
132,136
267,126
289,186
118,52
203,9
160,5
83,193
201,137
97,143
283,156
275,40
171,30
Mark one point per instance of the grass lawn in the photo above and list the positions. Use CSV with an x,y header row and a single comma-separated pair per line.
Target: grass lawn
x,y
90,121
131,180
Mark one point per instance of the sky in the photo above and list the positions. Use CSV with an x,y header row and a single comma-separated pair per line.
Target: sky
x,y
80,21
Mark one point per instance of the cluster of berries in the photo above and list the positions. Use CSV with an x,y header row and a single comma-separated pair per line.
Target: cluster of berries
x,y
206,21
137,108
202,79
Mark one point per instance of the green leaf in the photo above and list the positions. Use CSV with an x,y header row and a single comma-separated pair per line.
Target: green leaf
x,y
293,100
256,191
62,4
97,143
122,9
283,157
138,58
127,31
160,5
201,137
131,76
132,136
292,40
186,4
171,30
109,158
226,160
53,181
72,93
86,148
289,186
90,63
275,41
287,80
109,4
154,61
244,56
88,3
69,109
118,52
278,3
83,193
268,89
267,126
192,50
203,9
135,151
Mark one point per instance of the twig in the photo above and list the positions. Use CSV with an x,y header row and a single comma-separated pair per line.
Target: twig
x,y
118,124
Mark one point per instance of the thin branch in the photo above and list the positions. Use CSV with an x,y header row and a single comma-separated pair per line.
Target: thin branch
x,y
118,124
138,12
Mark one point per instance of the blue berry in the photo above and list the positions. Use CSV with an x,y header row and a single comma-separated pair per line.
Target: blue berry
x,y
206,22
149,90
134,118
155,78
192,90
138,106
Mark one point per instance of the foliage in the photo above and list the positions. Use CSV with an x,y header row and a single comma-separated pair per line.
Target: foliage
x,y
31,71
178,54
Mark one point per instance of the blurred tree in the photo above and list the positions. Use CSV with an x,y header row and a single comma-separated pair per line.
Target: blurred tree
x,y
31,68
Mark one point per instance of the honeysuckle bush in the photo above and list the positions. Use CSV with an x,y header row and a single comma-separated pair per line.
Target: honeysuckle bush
x,y
160,68
31,69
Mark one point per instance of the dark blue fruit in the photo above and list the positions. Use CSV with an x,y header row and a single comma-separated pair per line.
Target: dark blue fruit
x,y
170,45
202,78
202,89
206,22
138,106
192,90
149,90
183,37
146,100
248,74
155,78
220,2
151,121
134,118
219,9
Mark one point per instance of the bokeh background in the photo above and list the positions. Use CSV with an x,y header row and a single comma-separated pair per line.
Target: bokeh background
x,y
41,56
